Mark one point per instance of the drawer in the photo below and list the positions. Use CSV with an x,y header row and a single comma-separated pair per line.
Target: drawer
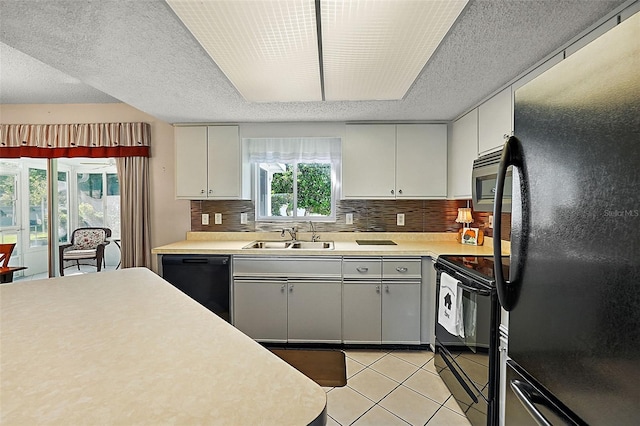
x,y
362,268
401,268
291,267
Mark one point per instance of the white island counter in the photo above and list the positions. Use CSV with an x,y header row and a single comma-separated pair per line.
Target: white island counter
x,y
126,347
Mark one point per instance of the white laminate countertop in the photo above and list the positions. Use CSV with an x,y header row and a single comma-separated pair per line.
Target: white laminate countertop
x,y
126,347
408,244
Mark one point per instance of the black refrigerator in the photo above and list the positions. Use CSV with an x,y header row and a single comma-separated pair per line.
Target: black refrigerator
x,y
573,293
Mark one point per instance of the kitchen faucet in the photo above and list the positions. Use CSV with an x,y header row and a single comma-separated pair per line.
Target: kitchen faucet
x,y
291,231
314,237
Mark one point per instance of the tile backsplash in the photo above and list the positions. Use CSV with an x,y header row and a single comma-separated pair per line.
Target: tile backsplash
x,y
368,216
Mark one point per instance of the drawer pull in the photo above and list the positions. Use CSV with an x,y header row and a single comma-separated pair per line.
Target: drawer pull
x,y
401,269
362,269
378,289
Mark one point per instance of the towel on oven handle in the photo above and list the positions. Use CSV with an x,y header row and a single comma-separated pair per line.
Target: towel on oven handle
x,y
450,311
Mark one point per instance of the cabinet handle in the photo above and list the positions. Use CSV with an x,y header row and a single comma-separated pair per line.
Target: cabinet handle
x,y
282,288
386,288
362,269
401,269
378,289
392,192
211,191
202,191
290,288
400,191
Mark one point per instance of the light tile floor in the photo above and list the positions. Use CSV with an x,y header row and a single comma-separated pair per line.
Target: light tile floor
x,y
395,387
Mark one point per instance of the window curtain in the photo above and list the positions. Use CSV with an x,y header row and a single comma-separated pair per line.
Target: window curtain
x,y
284,150
96,140
135,216
129,143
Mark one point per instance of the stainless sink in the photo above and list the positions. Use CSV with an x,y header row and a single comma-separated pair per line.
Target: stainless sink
x,y
295,245
312,245
268,245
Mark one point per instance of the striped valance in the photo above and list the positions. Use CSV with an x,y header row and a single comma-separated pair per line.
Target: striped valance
x,y
75,140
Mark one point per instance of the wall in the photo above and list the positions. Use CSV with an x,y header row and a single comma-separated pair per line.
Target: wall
x,y
169,217
368,216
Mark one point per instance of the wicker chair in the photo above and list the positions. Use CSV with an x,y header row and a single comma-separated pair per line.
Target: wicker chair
x,y
86,243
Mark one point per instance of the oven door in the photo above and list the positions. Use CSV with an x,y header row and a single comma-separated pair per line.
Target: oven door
x,y
475,315
463,362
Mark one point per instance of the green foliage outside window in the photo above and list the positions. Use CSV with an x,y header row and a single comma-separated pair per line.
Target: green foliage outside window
x,y
313,189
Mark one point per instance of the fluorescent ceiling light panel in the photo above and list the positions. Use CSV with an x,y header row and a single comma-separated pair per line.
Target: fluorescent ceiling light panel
x,y
267,49
375,49
371,49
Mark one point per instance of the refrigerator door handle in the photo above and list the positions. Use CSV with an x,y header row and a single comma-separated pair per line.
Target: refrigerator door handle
x,y
506,290
528,397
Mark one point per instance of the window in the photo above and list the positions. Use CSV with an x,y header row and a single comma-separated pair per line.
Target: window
x,y
38,225
296,178
63,207
99,200
9,203
8,200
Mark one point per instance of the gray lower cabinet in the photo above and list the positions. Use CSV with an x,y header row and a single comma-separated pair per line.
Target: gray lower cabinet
x,y
370,300
260,309
427,313
313,310
288,299
381,312
401,313
362,312
381,301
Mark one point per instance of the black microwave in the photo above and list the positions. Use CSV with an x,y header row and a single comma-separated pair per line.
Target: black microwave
x,y
484,178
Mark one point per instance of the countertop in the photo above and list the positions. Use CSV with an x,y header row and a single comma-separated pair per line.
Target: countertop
x,y
126,347
408,244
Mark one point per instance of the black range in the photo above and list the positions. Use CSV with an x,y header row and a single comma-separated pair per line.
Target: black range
x,y
467,356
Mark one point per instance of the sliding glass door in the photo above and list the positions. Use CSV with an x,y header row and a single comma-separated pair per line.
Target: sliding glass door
x,y
86,193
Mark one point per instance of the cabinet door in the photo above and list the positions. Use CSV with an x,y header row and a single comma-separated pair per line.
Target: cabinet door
x,y
224,163
260,309
368,161
401,313
314,311
462,151
495,120
361,312
191,162
421,161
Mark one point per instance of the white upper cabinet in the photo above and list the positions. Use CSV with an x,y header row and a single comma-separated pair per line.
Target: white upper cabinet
x,y
191,162
224,162
368,161
208,162
421,161
495,121
463,149
388,161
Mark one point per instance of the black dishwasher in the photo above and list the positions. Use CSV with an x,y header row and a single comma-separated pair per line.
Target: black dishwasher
x,y
204,278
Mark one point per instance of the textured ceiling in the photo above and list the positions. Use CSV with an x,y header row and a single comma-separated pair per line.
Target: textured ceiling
x,y
138,52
